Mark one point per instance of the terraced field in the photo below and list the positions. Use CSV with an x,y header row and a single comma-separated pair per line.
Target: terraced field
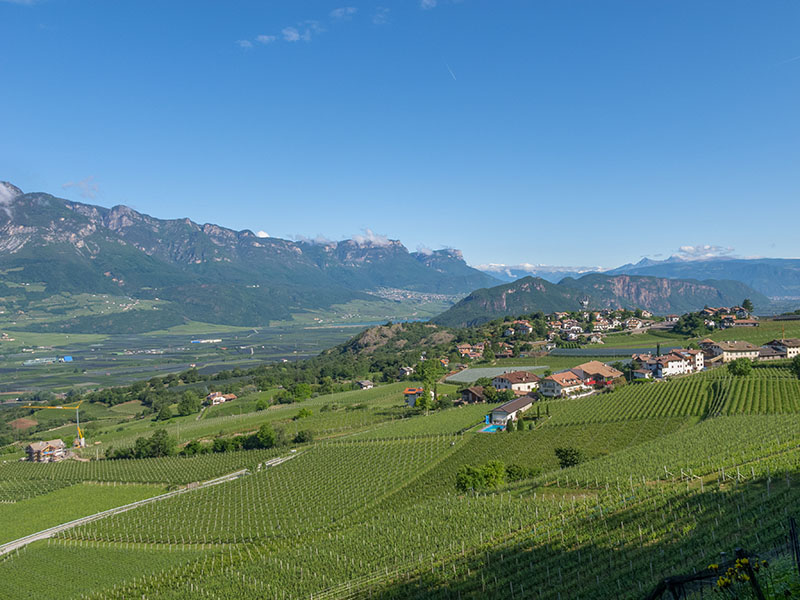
x,y
671,474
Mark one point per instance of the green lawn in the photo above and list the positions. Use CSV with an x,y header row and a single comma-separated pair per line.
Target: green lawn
x,y
66,504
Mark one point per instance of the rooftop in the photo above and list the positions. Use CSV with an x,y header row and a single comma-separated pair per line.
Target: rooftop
x,y
515,404
518,377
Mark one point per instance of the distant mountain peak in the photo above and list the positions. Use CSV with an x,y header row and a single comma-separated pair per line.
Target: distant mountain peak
x,y
8,192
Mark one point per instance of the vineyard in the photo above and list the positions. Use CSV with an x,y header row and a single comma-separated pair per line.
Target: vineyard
x,y
670,475
766,391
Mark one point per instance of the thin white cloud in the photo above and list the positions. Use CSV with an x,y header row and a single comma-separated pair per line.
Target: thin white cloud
x,y
262,234
319,239
244,43
427,4
343,13
370,238
266,39
380,16
290,34
530,268
703,251
87,187
7,195
424,250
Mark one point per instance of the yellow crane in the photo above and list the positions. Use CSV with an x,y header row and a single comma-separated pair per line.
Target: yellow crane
x,y
79,442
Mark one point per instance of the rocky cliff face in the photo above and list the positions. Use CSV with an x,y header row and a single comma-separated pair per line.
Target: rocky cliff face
x,y
72,246
659,295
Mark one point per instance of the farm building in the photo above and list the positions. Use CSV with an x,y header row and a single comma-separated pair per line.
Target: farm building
x,y
790,347
517,381
745,323
366,384
561,384
770,353
596,373
510,411
412,394
215,398
49,451
730,351
472,394
406,371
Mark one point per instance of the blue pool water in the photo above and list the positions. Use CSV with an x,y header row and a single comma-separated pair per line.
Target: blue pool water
x,y
492,428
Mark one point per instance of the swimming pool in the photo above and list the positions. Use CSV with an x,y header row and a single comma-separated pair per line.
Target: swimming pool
x,y
492,429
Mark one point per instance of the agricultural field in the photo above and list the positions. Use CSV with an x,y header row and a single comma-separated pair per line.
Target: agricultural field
x,y
645,339
330,415
26,515
767,330
667,476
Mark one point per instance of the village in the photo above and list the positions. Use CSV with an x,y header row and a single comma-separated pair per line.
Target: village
x,y
521,389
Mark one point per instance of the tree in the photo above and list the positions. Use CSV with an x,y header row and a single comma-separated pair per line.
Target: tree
x,y
504,396
303,413
469,478
568,456
424,402
165,414
266,436
262,404
747,304
301,391
429,371
304,437
494,474
795,366
188,404
741,367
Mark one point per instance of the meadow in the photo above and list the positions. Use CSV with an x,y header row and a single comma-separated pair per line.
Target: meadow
x,y
670,475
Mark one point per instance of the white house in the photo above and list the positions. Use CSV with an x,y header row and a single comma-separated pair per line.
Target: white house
x,y
510,411
561,384
671,364
695,357
517,381
215,398
732,350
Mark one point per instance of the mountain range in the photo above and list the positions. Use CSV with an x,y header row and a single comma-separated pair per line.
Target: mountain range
x,y
213,274
596,291
773,277
205,272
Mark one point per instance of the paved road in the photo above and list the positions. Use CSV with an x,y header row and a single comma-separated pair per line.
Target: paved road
x,y
47,533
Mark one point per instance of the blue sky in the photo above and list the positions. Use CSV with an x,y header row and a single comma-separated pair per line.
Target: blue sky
x,y
562,132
